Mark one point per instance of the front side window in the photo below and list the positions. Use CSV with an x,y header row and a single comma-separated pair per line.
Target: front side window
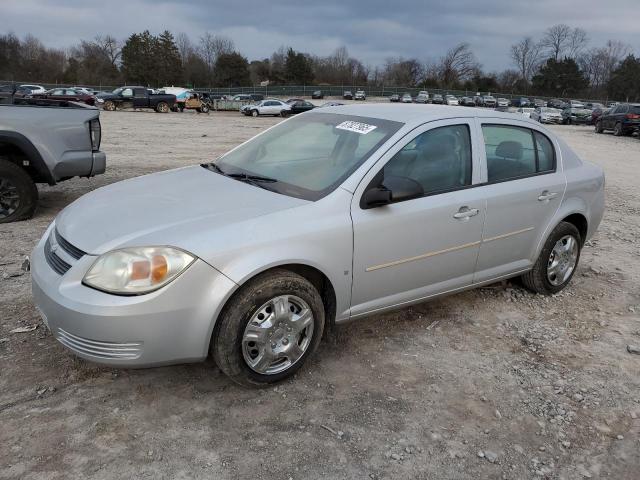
x,y
310,155
438,159
515,152
127,92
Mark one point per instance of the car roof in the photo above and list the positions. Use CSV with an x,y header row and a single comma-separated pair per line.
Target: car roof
x,y
416,114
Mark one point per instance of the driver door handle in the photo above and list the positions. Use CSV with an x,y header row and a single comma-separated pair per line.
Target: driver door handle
x,y
547,195
465,213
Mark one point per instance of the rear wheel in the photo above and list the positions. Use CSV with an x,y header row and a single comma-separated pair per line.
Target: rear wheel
x,y
557,261
617,130
162,107
204,108
284,113
269,329
18,193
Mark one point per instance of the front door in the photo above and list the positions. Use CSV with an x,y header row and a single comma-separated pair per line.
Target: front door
x,y
416,248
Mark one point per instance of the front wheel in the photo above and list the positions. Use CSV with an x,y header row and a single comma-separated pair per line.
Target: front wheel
x,y
109,106
557,261
268,329
204,108
255,113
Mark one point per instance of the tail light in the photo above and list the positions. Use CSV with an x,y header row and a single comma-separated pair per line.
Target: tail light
x,y
633,116
95,131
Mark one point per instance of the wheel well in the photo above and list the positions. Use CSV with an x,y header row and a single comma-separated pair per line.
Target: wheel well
x,y
17,156
580,222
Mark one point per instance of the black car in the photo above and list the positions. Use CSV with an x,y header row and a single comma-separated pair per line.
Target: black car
x,y
521,102
347,95
300,107
437,99
317,95
623,119
291,101
556,103
538,102
573,115
394,98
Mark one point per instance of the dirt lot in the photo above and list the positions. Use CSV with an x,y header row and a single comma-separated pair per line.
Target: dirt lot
x,y
492,383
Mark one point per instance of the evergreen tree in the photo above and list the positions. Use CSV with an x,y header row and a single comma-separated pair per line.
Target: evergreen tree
x,y
232,70
625,80
560,78
297,68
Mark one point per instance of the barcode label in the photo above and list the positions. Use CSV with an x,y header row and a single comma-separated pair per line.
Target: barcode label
x,y
356,127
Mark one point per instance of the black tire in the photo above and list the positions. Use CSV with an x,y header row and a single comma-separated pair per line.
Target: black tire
x,y
536,279
617,130
284,113
226,344
599,128
162,107
204,108
15,180
255,113
109,106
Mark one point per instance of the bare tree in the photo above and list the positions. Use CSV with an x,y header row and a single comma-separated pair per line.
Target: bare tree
x,y
402,72
185,47
526,56
111,47
212,46
577,42
555,40
458,64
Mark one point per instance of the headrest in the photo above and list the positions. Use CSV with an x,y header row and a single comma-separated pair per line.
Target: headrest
x,y
509,149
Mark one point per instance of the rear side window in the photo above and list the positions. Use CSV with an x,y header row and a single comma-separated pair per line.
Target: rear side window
x,y
516,152
439,159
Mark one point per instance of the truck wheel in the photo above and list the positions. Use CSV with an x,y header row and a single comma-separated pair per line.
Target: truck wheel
x,y
109,106
18,193
204,108
162,107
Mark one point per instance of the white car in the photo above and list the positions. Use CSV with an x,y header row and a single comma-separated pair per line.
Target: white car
x,y
360,95
34,88
502,102
270,106
450,100
526,111
547,115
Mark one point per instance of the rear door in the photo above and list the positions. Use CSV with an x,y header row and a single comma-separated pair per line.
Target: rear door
x,y
524,189
420,247
140,98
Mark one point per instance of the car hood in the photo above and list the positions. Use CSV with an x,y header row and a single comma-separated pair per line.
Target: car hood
x,y
175,207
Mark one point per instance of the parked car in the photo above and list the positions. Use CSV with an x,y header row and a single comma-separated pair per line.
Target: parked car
x,y
467,102
69,94
387,211
424,92
137,97
612,104
546,115
593,105
538,102
489,101
301,106
34,88
437,99
422,98
317,95
597,113
331,104
521,102
347,95
556,103
395,97
575,115
200,102
526,111
623,119
270,106
10,92
291,101
575,104
360,95
44,141
406,98
450,100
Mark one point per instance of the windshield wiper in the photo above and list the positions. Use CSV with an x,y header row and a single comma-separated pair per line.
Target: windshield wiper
x,y
255,180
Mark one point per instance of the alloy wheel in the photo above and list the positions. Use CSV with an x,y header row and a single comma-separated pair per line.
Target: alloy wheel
x,y
278,335
9,198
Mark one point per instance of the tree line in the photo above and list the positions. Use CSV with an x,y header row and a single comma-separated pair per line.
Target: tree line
x,y
559,63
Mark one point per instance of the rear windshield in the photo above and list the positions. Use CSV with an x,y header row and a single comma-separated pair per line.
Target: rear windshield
x,y
309,155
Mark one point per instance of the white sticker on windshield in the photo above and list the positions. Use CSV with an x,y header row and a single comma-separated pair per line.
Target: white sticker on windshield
x,y
357,127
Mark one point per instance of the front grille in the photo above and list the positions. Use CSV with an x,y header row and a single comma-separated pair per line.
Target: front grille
x,y
59,266
75,252
94,348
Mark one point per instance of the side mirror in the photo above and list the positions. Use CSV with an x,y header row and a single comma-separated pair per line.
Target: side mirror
x,y
392,189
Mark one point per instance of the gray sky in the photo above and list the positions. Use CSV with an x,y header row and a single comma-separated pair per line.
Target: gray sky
x,y
372,30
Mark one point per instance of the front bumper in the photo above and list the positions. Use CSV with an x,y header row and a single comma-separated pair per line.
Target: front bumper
x,y
171,325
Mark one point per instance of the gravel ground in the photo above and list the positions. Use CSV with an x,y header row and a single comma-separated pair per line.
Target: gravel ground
x,y
491,383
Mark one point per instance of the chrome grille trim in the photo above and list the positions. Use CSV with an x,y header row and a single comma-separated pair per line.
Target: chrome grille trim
x,y
94,348
55,262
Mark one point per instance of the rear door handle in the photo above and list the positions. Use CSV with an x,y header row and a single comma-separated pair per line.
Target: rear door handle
x,y
547,195
465,213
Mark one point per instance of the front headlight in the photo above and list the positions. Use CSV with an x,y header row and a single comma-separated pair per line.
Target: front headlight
x,y
137,270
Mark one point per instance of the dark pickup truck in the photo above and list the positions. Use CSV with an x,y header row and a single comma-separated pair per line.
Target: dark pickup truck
x,y
136,97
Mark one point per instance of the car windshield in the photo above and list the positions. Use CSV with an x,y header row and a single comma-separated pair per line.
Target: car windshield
x,y
308,156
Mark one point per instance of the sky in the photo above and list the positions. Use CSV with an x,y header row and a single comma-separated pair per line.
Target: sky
x,y
372,30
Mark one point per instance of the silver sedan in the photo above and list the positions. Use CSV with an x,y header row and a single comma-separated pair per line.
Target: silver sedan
x,y
327,217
